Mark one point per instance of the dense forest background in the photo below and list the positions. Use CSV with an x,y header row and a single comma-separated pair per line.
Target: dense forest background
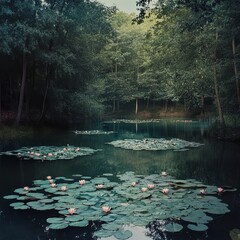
x,y
65,60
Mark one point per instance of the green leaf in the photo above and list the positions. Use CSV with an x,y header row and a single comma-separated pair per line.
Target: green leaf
x,y
173,227
198,227
122,235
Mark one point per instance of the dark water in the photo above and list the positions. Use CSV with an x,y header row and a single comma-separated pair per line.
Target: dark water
x,y
215,163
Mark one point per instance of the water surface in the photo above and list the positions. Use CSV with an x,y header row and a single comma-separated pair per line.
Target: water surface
x,y
216,163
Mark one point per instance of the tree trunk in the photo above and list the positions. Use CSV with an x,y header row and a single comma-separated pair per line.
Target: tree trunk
x,y
22,90
147,105
118,108
114,106
166,105
136,106
0,101
45,95
216,87
202,106
236,71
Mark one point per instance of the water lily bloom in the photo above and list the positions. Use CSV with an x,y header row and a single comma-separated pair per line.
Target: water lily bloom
x,y
49,177
150,186
50,154
53,185
133,184
106,209
37,154
220,190
82,182
72,211
51,181
77,149
63,188
99,186
144,189
202,191
164,174
165,191
26,188
64,149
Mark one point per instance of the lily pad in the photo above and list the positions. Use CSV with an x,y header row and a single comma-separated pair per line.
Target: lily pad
x,y
173,227
122,235
198,227
50,153
57,226
154,144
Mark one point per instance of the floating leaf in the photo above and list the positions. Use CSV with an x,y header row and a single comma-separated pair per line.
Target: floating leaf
x,y
83,223
122,235
58,225
235,234
173,227
154,144
50,153
198,227
10,197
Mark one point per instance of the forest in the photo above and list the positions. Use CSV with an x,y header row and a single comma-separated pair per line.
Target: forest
x,y
67,60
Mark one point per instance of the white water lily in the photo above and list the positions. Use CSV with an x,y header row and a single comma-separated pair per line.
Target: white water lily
x,y
26,188
99,186
164,174
106,209
202,191
144,189
63,188
133,184
53,185
165,191
82,182
150,186
72,211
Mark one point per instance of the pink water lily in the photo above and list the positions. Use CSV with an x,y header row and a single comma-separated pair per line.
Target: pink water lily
x,y
26,188
133,184
50,154
150,186
220,190
202,191
37,154
49,177
164,174
144,189
99,186
63,188
82,182
53,185
106,209
72,211
165,190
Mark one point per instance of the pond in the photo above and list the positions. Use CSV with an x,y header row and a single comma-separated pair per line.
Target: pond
x,y
213,163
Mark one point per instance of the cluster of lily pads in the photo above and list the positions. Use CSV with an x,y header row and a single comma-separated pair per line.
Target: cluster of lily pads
x,y
149,121
93,132
155,144
134,121
50,153
133,200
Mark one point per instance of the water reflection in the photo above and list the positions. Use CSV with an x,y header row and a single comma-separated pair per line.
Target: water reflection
x,y
215,163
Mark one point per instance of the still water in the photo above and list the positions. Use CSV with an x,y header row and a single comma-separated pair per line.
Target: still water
x,y
216,163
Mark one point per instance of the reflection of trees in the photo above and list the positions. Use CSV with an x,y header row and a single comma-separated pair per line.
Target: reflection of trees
x,y
157,232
